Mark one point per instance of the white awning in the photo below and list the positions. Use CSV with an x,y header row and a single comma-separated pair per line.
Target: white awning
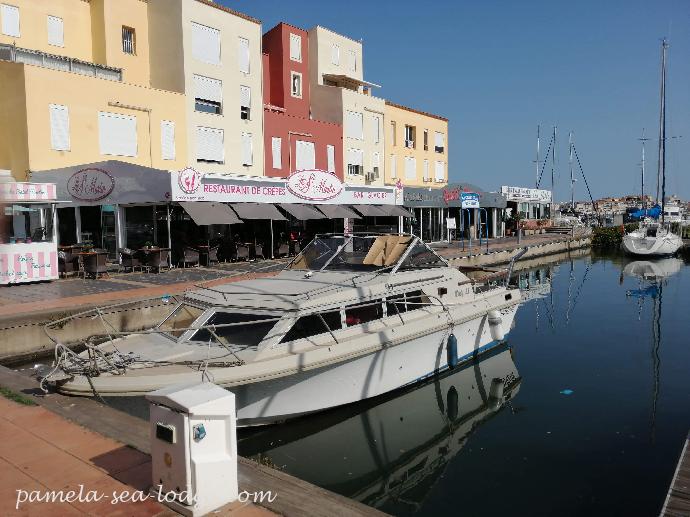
x,y
204,213
257,211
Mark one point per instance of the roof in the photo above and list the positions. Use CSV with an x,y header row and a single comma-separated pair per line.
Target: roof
x,y
210,3
347,79
419,112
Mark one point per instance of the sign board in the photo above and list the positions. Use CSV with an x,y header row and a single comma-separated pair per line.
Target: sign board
x,y
28,262
314,185
22,191
469,200
90,184
526,194
450,223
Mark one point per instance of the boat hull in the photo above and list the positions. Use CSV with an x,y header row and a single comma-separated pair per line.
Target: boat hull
x,y
651,247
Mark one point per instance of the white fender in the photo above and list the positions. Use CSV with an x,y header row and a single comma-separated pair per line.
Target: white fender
x,y
495,326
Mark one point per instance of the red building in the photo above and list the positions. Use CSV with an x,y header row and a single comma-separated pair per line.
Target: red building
x,y
293,140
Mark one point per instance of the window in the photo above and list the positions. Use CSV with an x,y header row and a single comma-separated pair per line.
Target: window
x,y
393,132
439,171
59,127
376,128
409,137
167,140
117,134
353,125
305,158
245,102
56,31
438,142
394,172
205,44
247,152
180,319
249,335
375,164
399,303
313,325
363,313
296,47
352,61
426,170
209,145
355,162
296,84
208,94
276,144
410,168
243,55
335,54
10,20
421,257
128,40
330,156
426,139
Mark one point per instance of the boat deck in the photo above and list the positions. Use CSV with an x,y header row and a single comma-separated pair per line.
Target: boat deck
x,y
677,502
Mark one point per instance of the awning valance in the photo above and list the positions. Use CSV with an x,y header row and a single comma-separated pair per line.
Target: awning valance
x,y
394,210
338,212
301,211
257,211
370,210
205,213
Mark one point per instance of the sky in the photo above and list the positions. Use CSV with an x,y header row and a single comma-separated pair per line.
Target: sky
x,y
498,68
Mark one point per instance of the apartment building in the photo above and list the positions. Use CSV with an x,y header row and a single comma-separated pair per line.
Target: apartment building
x,y
339,94
416,147
213,55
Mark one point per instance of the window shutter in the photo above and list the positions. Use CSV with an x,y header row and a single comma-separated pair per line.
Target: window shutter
x,y
205,44
426,170
376,128
375,160
243,55
352,61
295,47
10,20
56,31
394,172
167,140
209,144
305,158
276,150
410,168
439,139
117,134
245,96
335,54
208,89
357,157
330,155
247,154
440,171
354,125
59,127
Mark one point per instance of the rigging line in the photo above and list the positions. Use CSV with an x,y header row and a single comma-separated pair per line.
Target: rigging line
x,y
577,157
544,162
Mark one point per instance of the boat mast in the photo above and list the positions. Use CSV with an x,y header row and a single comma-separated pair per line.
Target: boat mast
x,y
536,180
642,199
661,163
572,178
553,158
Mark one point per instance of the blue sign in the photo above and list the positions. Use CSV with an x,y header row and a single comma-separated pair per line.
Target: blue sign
x,y
469,200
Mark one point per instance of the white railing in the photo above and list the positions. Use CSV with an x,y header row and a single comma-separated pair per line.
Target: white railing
x,y
66,64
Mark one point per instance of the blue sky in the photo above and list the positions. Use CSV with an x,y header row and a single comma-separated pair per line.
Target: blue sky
x,y
496,69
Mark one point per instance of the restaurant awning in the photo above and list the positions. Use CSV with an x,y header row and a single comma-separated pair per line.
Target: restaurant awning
x,y
205,213
370,210
257,211
301,211
338,212
394,210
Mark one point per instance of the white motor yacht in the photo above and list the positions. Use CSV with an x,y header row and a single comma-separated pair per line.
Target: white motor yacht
x,y
350,318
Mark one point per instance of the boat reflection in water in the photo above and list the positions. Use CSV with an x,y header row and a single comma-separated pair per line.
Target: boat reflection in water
x,y
389,453
653,269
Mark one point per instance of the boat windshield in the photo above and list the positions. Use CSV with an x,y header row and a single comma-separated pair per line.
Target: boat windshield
x,y
180,319
363,253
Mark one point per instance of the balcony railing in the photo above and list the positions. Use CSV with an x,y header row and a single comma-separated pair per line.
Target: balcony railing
x,y
66,64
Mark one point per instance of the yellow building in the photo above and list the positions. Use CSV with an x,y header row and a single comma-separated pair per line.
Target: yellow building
x,y
416,147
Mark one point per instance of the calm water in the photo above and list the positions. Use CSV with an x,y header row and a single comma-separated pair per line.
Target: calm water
x,y
455,446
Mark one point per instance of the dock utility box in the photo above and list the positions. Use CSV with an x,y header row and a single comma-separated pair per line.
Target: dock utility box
x,y
193,447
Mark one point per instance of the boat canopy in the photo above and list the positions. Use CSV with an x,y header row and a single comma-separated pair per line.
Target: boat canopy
x,y
653,212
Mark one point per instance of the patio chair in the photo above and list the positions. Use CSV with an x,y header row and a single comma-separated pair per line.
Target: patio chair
x,y
283,250
67,263
95,264
129,259
213,255
242,252
152,259
163,262
259,251
190,256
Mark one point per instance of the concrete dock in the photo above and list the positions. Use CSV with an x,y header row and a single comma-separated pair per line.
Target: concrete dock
x,y
677,502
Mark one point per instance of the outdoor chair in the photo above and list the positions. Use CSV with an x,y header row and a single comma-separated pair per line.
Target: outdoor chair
x,y
190,256
129,259
67,263
283,250
294,248
259,251
152,259
95,264
213,255
227,251
163,261
242,252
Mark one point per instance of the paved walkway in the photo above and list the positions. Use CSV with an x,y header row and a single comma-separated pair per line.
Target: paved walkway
x,y
41,452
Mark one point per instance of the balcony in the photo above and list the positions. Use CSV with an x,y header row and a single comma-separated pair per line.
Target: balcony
x,y
66,64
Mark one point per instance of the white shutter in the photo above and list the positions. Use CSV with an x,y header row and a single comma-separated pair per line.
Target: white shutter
x,y
440,171
56,31
10,20
59,127
247,154
209,144
376,128
117,134
357,157
208,89
426,170
330,155
438,139
352,58
205,44
305,157
410,168
354,125
243,55
167,140
394,171
335,54
276,143
296,47
245,96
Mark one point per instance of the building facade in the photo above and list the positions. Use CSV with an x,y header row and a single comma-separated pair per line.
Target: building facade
x,y
416,147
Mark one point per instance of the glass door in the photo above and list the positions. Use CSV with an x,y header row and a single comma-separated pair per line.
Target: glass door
x,y
108,229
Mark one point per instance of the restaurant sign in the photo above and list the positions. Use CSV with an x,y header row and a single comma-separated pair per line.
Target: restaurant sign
x,y
314,185
22,191
469,200
526,194
90,184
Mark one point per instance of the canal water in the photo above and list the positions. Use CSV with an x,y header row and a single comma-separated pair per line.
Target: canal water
x,y
583,413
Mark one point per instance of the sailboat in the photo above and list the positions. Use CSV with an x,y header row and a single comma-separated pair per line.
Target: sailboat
x,y
654,237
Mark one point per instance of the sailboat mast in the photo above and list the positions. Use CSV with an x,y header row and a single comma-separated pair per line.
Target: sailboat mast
x,y
536,179
553,158
662,140
642,199
572,179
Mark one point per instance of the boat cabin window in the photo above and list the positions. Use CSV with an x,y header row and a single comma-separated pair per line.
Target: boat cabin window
x,y
242,330
406,302
421,257
180,319
363,312
651,232
312,325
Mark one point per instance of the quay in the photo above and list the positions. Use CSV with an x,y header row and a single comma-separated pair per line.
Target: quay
x,y
66,441
677,502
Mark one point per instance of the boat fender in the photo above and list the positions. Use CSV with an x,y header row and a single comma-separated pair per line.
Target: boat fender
x,y
452,351
495,321
496,394
452,400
